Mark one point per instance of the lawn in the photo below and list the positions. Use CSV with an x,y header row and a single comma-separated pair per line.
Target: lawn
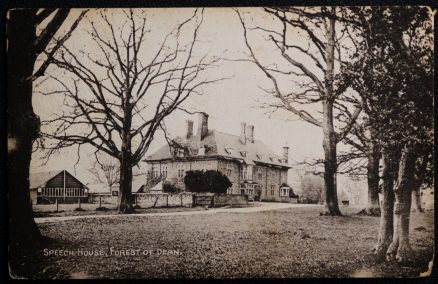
x,y
109,210
294,242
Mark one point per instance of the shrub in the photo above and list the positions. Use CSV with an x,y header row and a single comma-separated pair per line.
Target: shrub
x,y
170,188
208,181
292,194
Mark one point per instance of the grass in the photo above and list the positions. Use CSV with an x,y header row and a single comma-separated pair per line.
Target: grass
x,y
294,242
109,209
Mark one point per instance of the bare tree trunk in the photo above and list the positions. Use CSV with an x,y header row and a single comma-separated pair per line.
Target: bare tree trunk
x,y
125,196
329,144
373,206
387,209
125,190
400,248
330,139
23,129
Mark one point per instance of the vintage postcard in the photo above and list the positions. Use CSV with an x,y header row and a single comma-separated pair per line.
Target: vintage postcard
x,y
249,142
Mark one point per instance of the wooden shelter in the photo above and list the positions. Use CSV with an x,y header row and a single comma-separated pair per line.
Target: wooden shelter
x,y
57,185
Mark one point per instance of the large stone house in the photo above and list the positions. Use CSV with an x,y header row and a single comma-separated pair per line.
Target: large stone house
x,y
250,165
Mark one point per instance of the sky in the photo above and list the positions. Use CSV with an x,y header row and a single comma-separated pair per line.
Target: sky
x,y
228,103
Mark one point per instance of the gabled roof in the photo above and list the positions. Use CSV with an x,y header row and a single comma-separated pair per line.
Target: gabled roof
x,y
41,178
223,145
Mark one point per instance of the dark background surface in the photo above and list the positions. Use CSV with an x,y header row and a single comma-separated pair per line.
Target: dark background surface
x,y
6,5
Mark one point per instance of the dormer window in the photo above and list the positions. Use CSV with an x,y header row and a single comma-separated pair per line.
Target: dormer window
x,y
259,157
229,151
179,152
271,158
201,151
243,153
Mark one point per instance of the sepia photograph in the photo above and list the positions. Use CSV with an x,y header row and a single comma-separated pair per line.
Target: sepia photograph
x,y
220,142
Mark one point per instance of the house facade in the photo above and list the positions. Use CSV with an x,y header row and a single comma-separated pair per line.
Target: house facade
x,y
250,165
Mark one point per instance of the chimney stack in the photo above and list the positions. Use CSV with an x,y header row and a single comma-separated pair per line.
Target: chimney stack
x,y
250,133
286,154
243,133
202,126
189,128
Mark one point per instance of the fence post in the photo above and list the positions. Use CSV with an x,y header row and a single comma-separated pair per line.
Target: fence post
x,y
167,200
56,202
180,195
100,201
79,203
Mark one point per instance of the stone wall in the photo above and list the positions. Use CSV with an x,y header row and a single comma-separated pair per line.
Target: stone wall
x,y
105,198
228,199
147,200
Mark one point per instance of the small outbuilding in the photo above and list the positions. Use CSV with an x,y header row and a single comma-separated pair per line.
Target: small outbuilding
x,y
57,185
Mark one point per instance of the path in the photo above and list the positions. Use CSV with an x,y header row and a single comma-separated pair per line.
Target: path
x,y
264,206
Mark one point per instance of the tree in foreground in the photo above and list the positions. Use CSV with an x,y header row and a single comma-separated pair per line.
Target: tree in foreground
x,y
118,94
32,34
398,59
315,82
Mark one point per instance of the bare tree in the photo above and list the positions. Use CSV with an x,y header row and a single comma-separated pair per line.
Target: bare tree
x,y
316,84
117,102
32,34
106,170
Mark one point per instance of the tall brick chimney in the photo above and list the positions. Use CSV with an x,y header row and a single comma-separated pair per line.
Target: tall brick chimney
x,y
202,125
243,133
189,128
286,154
250,133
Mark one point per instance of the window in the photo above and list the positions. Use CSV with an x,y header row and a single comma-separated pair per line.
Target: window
x,y
243,153
180,173
249,172
242,188
259,173
165,171
243,172
284,191
250,189
152,170
179,152
229,169
272,189
229,151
